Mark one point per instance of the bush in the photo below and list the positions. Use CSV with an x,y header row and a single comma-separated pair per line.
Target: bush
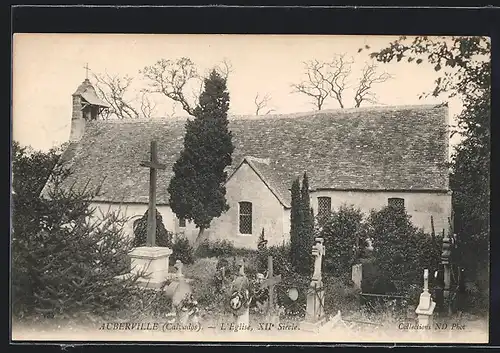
x,y
163,237
401,251
342,232
182,250
220,248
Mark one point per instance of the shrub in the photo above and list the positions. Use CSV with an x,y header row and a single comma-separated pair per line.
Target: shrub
x,y
342,232
182,250
262,252
163,237
401,251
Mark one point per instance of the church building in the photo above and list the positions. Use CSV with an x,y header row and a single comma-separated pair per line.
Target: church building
x,y
366,157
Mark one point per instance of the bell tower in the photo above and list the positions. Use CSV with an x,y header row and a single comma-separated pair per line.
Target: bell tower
x,y
87,106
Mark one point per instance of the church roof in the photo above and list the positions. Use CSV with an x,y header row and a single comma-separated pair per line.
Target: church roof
x,y
386,148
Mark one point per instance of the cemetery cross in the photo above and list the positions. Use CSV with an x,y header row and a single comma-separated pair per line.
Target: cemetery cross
x,y
86,67
270,282
153,166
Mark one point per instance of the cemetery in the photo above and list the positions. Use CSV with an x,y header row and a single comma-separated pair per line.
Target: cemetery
x,y
237,290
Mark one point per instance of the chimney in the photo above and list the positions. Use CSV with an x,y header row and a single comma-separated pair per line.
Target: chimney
x,y
77,118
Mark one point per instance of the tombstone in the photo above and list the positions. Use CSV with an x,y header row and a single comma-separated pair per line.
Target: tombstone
x,y
357,275
425,308
315,315
184,307
239,298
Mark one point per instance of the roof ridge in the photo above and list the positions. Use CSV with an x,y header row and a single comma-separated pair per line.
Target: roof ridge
x,y
233,117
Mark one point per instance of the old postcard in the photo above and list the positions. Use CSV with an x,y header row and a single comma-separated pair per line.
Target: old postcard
x,y
223,188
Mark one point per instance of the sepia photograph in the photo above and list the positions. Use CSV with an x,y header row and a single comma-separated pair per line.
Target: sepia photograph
x,y
250,188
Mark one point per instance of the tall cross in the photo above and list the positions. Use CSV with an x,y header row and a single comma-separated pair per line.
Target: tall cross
x,y
86,67
270,282
153,166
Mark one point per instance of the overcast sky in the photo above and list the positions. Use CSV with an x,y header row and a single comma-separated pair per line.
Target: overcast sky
x,y
49,67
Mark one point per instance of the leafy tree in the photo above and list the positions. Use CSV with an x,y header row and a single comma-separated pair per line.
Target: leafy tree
x,y
466,73
30,170
67,264
307,228
341,232
197,189
163,236
295,223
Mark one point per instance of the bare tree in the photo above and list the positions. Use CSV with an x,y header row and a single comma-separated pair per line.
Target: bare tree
x,y
113,89
172,78
369,77
225,68
261,103
147,106
330,80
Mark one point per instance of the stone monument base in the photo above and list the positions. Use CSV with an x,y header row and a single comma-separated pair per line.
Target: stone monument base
x,y
152,262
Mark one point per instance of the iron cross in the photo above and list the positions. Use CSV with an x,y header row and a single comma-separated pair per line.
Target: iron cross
x,y
270,282
86,67
153,166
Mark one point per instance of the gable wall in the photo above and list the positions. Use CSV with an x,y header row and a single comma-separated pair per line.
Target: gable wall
x,y
268,213
420,205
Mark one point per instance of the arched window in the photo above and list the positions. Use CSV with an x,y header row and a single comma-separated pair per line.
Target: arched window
x,y
245,213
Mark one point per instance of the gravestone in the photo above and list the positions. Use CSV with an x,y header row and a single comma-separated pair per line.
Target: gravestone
x,y
269,283
184,307
239,298
315,314
357,275
426,305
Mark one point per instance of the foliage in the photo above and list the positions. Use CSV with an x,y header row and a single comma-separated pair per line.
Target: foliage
x,y
30,170
69,265
295,223
197,189
301,226
163,237
401,251
306,233
342,232
219,248
262,253
182,250
466,73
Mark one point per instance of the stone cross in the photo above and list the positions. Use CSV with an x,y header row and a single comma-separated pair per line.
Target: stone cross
x,y
86,67
426,280
318,252
153,166
270,282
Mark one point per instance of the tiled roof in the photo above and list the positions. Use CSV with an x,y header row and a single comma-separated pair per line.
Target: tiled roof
x,y
388,148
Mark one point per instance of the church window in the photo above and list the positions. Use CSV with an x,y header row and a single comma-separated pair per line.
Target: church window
x,y
397,202
324,206
182,222
245,224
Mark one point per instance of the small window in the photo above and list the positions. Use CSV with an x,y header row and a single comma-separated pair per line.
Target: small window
x,y
245,218
182,223
324,206
396,202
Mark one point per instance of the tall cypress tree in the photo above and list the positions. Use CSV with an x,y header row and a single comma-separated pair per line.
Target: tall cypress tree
x,y
307,227
295,224
197,189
